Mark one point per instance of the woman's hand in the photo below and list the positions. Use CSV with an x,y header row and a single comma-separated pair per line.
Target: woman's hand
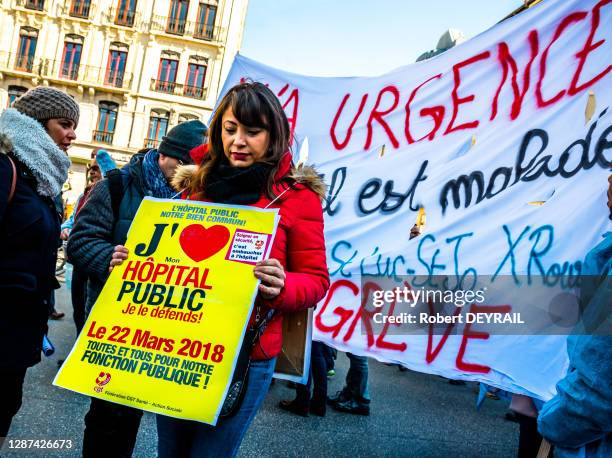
x,y
272,276
119,255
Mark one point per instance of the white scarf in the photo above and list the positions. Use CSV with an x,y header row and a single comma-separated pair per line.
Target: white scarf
x,y
35,149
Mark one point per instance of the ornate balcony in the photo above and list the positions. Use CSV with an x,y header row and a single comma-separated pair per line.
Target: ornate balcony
x,y
176,27
86,74
19,62
205,32
197,30
70,72
101,136
24,63
194,92
80,9
38,5
124,18
169,87
151,143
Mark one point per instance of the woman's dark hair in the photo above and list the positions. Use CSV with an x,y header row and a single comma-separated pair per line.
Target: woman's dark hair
x,y
253,105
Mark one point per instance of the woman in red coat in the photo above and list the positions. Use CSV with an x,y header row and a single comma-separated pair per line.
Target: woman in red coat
x,y
248,163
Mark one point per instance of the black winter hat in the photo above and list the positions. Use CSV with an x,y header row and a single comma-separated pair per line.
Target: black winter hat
x,y
183,138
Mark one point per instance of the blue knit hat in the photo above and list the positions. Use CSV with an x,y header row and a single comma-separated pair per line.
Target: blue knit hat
x,y
105,161
181,139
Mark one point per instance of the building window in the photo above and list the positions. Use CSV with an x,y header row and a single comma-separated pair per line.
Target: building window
x,y
27,48
14,92
177,18
115,68
107,119
196,75
80,8
126,11
166,75
205,24
158,125
71,58
33,4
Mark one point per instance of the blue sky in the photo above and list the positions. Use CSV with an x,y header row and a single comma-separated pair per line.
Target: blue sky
x,y
358,37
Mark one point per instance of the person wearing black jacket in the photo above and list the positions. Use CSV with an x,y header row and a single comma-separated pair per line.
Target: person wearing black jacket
x,y
34,138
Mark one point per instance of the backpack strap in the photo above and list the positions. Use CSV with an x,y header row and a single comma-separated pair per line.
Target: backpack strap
x,y
115,186
13,181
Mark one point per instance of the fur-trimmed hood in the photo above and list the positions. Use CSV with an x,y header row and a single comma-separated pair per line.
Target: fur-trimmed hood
x,y
304,175
30,144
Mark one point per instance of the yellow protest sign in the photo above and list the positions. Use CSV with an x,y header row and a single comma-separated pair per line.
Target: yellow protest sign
x,y
165,332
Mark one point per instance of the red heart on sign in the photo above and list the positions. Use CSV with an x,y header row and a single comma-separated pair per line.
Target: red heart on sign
x,y
200,243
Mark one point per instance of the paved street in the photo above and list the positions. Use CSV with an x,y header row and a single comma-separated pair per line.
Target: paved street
x,y
411,415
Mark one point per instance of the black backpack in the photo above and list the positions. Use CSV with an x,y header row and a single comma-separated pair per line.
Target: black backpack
x,y
115,187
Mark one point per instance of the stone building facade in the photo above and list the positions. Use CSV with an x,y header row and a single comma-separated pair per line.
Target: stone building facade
x,y
136,67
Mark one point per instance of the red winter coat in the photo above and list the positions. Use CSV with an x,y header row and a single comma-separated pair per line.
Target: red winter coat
x,y
299,245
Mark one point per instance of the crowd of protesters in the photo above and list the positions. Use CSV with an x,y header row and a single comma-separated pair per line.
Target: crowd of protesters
x,y
243,159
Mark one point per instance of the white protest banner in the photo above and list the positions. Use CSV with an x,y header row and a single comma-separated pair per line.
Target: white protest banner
x,y
504,140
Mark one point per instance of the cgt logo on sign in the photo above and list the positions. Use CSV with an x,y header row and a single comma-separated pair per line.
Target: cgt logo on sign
x,y
102,380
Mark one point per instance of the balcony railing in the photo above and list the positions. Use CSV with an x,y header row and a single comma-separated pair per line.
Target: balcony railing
x,y
48,68
176,27
37,5
198,30
101,136
204,31
80,9
84,74
169,87
70,72
117,79
194,92
22,63
125,18
151,143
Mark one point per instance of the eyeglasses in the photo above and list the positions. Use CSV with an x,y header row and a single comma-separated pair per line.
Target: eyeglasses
x,y
95,168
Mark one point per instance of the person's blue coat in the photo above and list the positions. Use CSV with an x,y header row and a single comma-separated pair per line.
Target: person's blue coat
x,y
578,420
